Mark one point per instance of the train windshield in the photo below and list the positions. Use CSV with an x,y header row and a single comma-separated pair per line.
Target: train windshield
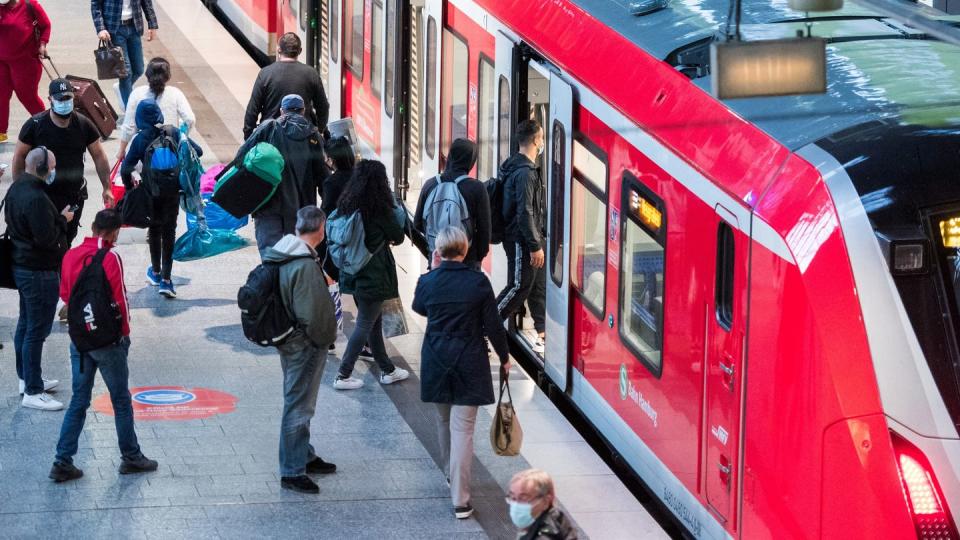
x,y
945,364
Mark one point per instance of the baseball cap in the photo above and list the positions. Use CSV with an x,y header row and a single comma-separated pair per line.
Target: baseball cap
x,y
60,89
291,102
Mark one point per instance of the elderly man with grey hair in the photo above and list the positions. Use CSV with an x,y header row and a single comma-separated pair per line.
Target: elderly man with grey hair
x,y
532,508
38,230
303,291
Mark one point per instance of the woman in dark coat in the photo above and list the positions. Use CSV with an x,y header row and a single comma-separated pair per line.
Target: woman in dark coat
x,y
369,193
461,310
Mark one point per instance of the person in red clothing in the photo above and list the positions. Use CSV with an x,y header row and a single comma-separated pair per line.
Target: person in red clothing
x,y
111,360
24,45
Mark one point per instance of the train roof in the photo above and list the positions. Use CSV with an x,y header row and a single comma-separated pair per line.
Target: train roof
x,y
878,68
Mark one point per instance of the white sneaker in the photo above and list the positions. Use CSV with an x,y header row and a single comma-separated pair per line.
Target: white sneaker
x,y
398,374
42,401
347,384
538,346
47,385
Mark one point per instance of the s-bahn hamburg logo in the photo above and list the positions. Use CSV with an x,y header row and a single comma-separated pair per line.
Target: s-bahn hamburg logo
x,y
624,384
172,403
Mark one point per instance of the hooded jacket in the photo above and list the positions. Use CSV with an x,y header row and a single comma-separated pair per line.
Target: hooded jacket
x,y
149,119
524,212
460,161
303,290
35,225
73,264
303,172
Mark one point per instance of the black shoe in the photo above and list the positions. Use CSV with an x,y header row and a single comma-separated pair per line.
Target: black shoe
x,y
332,347
365,351
301,483
62,472
137,465
463,512
319,466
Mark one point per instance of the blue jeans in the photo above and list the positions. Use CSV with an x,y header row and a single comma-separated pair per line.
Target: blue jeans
x,y
39,290
367,331
112,363
128,39
302,364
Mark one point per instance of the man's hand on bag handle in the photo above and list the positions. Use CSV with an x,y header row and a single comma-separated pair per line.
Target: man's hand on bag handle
x,y
108,199
42,51
104,35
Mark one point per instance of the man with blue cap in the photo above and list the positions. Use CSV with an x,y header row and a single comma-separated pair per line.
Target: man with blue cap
x,y
298,141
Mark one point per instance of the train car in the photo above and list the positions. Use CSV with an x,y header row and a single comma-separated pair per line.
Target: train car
x,y
259,23
756,302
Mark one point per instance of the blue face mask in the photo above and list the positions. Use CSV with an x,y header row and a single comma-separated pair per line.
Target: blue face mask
x,y
520,514
50,177
63,108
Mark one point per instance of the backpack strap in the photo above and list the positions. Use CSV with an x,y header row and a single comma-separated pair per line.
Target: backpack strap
x,y
461,178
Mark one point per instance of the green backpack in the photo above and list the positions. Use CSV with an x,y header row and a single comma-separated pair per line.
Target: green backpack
x,y
243,189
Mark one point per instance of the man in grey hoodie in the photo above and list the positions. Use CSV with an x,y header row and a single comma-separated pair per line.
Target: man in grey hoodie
x,y
303,290
300,144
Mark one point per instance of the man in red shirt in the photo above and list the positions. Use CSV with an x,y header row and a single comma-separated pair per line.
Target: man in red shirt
x,y
111,360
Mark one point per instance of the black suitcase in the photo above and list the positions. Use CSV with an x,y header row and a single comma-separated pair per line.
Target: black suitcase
x,y
90,101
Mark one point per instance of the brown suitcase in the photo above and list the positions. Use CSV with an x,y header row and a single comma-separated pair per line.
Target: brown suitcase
x,y
90,101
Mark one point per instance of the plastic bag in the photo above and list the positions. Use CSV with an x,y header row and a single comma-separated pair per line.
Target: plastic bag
x,y
394,319
201,242
209,179
337,304
217,218
190,172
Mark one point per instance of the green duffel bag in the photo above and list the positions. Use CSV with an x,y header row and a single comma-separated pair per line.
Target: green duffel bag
x,y
242,189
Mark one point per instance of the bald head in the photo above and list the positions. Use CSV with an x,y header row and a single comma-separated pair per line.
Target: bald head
x,y
35,161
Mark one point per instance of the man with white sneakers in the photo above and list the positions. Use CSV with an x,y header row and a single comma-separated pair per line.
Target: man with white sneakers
x,y
39,233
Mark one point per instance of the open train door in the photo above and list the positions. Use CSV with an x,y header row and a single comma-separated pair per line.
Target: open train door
x,y
431,46
385,23
559,139
726,331
333,85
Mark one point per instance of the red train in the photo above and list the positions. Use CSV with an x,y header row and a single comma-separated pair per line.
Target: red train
x,y
756,302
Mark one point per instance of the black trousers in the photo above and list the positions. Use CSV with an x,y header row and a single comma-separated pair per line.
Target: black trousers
x,y
524,284
162,233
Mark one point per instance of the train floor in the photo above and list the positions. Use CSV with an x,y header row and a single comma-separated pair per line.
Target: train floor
x,y
208,402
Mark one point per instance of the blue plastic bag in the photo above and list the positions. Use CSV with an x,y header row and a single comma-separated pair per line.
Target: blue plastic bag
x,y
201,242
217,218
190,172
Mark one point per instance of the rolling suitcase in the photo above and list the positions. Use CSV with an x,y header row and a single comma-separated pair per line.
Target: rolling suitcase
x,y
90,101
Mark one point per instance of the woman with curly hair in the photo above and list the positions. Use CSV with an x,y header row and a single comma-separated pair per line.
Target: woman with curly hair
x,y
368,193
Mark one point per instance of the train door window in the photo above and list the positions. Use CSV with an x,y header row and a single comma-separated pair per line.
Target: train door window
x,y
506,128
390,53
557,191
453,99
725,268
430,88
589,227
641,273
486,143
354,36
538,98
376,49
303,14
334,30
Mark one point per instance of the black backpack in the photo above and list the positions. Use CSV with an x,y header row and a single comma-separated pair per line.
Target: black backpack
x,y
161,164
264,318
93,316
498,225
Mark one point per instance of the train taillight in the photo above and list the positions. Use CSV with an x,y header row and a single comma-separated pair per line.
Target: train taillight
x,y
929,511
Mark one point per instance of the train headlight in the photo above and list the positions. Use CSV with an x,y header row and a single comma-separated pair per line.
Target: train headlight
x,y
906,252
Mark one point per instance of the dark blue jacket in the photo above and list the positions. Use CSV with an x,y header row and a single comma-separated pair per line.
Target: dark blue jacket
x,y
107,15
149,120
461,310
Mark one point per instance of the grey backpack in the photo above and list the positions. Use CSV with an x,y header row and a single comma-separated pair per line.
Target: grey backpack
x,y
445,207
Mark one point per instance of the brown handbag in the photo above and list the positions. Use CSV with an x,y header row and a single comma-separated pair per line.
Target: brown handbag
x,y
506,437
110,64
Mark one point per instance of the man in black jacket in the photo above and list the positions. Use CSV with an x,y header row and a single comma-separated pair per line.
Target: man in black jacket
x,y
283,77
39,234
524,239
460,161
300,145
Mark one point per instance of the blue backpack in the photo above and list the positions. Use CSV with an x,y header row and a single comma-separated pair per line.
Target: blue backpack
x,y
161,164
346,242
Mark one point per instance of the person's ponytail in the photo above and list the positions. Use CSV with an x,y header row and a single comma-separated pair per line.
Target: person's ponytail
x,y
158,75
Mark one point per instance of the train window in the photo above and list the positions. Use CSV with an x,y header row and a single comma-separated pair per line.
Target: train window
x,y
641,272
376,49
557,191
724,286
390,50
430,89
303,13
504,120
453,97
485,135
589,227
334,31
354,37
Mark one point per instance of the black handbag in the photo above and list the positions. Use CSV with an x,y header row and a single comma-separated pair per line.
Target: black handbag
x,y
136,208
6,259
110,64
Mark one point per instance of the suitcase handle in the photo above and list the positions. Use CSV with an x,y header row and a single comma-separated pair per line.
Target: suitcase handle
x,y
50,60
